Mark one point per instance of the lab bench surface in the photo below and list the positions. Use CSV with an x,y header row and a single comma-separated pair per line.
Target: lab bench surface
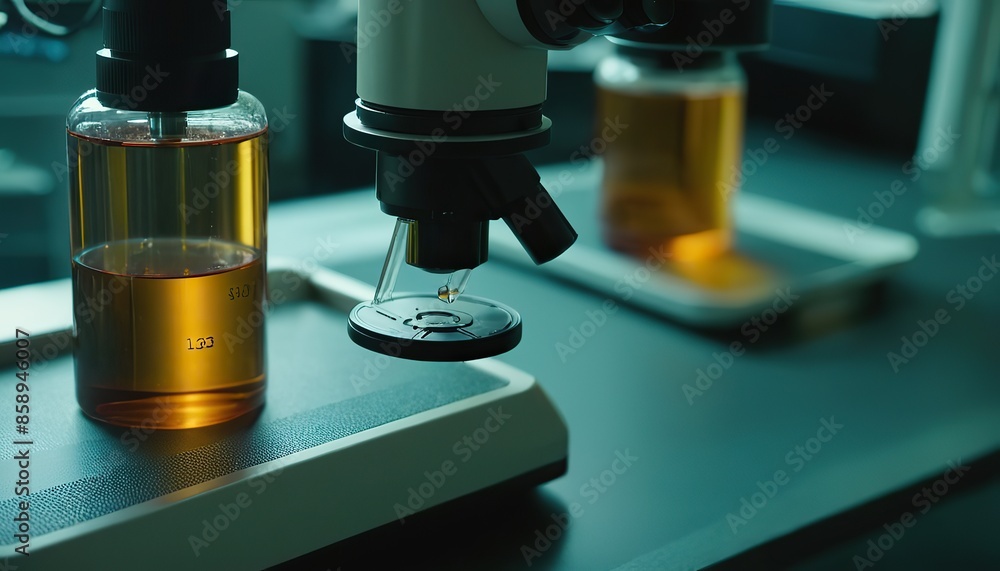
x,y
813,435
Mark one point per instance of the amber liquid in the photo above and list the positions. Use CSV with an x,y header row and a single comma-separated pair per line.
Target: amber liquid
x,y
169,332
666,178
168,275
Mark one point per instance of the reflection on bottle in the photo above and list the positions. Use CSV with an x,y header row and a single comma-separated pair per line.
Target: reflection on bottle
x,y
727,271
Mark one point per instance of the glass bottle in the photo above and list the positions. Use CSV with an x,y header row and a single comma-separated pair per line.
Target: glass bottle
x,y
168,166
670,172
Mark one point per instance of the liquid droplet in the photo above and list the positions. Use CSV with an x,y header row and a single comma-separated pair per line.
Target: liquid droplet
x,y
447,294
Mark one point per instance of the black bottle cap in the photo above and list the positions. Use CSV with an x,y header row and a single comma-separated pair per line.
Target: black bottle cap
x,y
167,55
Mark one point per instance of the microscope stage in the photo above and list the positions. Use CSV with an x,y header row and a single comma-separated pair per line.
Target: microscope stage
x,y
349,441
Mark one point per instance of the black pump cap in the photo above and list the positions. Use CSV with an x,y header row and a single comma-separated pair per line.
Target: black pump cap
x,y
167,55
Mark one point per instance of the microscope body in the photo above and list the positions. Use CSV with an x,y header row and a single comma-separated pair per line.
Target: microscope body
x,y
450,96
450,104
444,58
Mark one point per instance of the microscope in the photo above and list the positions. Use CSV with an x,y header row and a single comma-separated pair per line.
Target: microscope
x,y
450,97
